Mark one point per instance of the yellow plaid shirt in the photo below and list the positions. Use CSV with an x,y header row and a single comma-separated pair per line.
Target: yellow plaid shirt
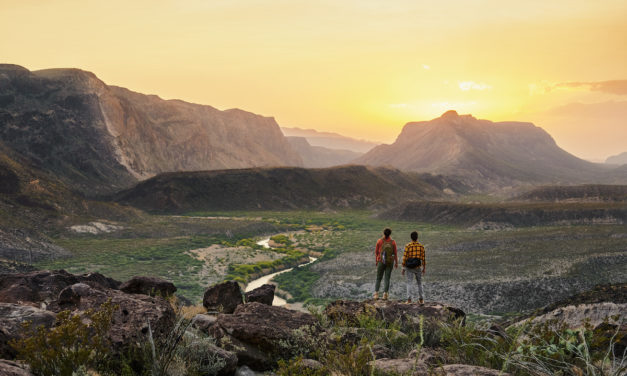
x,y
414,250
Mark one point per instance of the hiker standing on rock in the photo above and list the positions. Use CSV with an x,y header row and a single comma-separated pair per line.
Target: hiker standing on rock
x,y
385,258
413,259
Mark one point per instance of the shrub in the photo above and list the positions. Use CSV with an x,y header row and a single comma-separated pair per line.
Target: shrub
x,y
74,342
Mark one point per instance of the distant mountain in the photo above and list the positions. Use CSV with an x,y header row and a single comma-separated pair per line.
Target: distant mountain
x,y
330,140
619,159
101,138
283,188
501,153
318,156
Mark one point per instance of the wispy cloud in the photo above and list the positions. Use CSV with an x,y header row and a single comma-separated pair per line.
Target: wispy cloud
x,y
618,87
612,86
472,85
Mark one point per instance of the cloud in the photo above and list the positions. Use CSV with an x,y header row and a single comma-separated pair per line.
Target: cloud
x,y
425,66
618,87
472,85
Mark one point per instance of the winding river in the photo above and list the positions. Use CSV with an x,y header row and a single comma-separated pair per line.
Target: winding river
x,y
278,301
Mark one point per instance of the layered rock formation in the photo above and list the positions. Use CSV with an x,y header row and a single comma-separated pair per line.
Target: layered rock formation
x,y
502,153
100,138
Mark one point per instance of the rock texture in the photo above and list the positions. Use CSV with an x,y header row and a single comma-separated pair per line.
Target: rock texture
x,y
348,312
263,294
148,286
502,152
44,286
100,138
259,333
10,368
223,297
13,316
59,290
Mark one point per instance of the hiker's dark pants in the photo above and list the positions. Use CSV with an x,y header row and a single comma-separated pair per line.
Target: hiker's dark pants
x,y
412,273
383,269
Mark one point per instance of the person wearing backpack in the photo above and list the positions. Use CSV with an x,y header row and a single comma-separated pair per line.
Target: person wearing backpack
x,y
413,259
385,259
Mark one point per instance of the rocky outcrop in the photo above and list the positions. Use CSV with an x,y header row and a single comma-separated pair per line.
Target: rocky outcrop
x,y
10,368
59,290
410,315
44,286
261,334
152,286
13,316
223,297
101,138
263,294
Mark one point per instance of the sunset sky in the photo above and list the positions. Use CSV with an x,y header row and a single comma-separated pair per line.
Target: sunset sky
x,y
360,68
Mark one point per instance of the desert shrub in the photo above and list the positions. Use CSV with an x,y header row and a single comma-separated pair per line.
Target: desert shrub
x,y
75,342
281,239
350,360
295,367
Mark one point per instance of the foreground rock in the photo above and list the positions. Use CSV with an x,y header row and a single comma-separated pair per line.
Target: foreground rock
x,y
13,316
10,368
263,294
60,290
223,297
152,286
348,312
44,286
261,334
416,368
130,320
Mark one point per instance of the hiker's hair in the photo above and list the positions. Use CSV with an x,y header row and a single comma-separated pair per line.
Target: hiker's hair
x,y
414,236
387,232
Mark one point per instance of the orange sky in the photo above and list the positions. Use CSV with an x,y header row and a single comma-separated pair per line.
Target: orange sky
x,y
361,68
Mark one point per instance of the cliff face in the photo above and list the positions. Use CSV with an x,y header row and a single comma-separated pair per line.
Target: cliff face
x,y
101,138
502,152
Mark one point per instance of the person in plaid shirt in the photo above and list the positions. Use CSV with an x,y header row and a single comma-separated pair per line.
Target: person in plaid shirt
x,y
414,251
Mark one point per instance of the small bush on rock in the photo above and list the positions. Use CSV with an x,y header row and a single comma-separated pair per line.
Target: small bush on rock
x,y
75,342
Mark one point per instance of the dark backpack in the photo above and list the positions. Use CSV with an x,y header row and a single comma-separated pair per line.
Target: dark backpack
x,y
413,262
387,252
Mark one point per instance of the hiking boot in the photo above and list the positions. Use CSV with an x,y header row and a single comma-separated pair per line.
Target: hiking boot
x,y
421,301
375,296
385,296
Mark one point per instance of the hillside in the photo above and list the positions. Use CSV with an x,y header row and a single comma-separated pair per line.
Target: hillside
x,y
508,214
100,138
320,157
580,193
330,140
619,159
279,188
498,154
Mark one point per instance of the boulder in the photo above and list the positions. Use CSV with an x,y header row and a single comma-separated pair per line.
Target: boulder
x,y
13,316
152,286
263,294
432,357
130,320
223,297
576,316
200,352
42,287
403,366
10,368
348,312
261,334
466,370
203,322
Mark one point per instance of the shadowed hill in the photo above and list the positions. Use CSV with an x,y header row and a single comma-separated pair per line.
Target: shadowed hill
x,y
100,138
582,193
320,157
500,154
279,188
508,214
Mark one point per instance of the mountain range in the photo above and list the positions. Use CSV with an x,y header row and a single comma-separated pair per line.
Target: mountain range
x,y
330,140
100,138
